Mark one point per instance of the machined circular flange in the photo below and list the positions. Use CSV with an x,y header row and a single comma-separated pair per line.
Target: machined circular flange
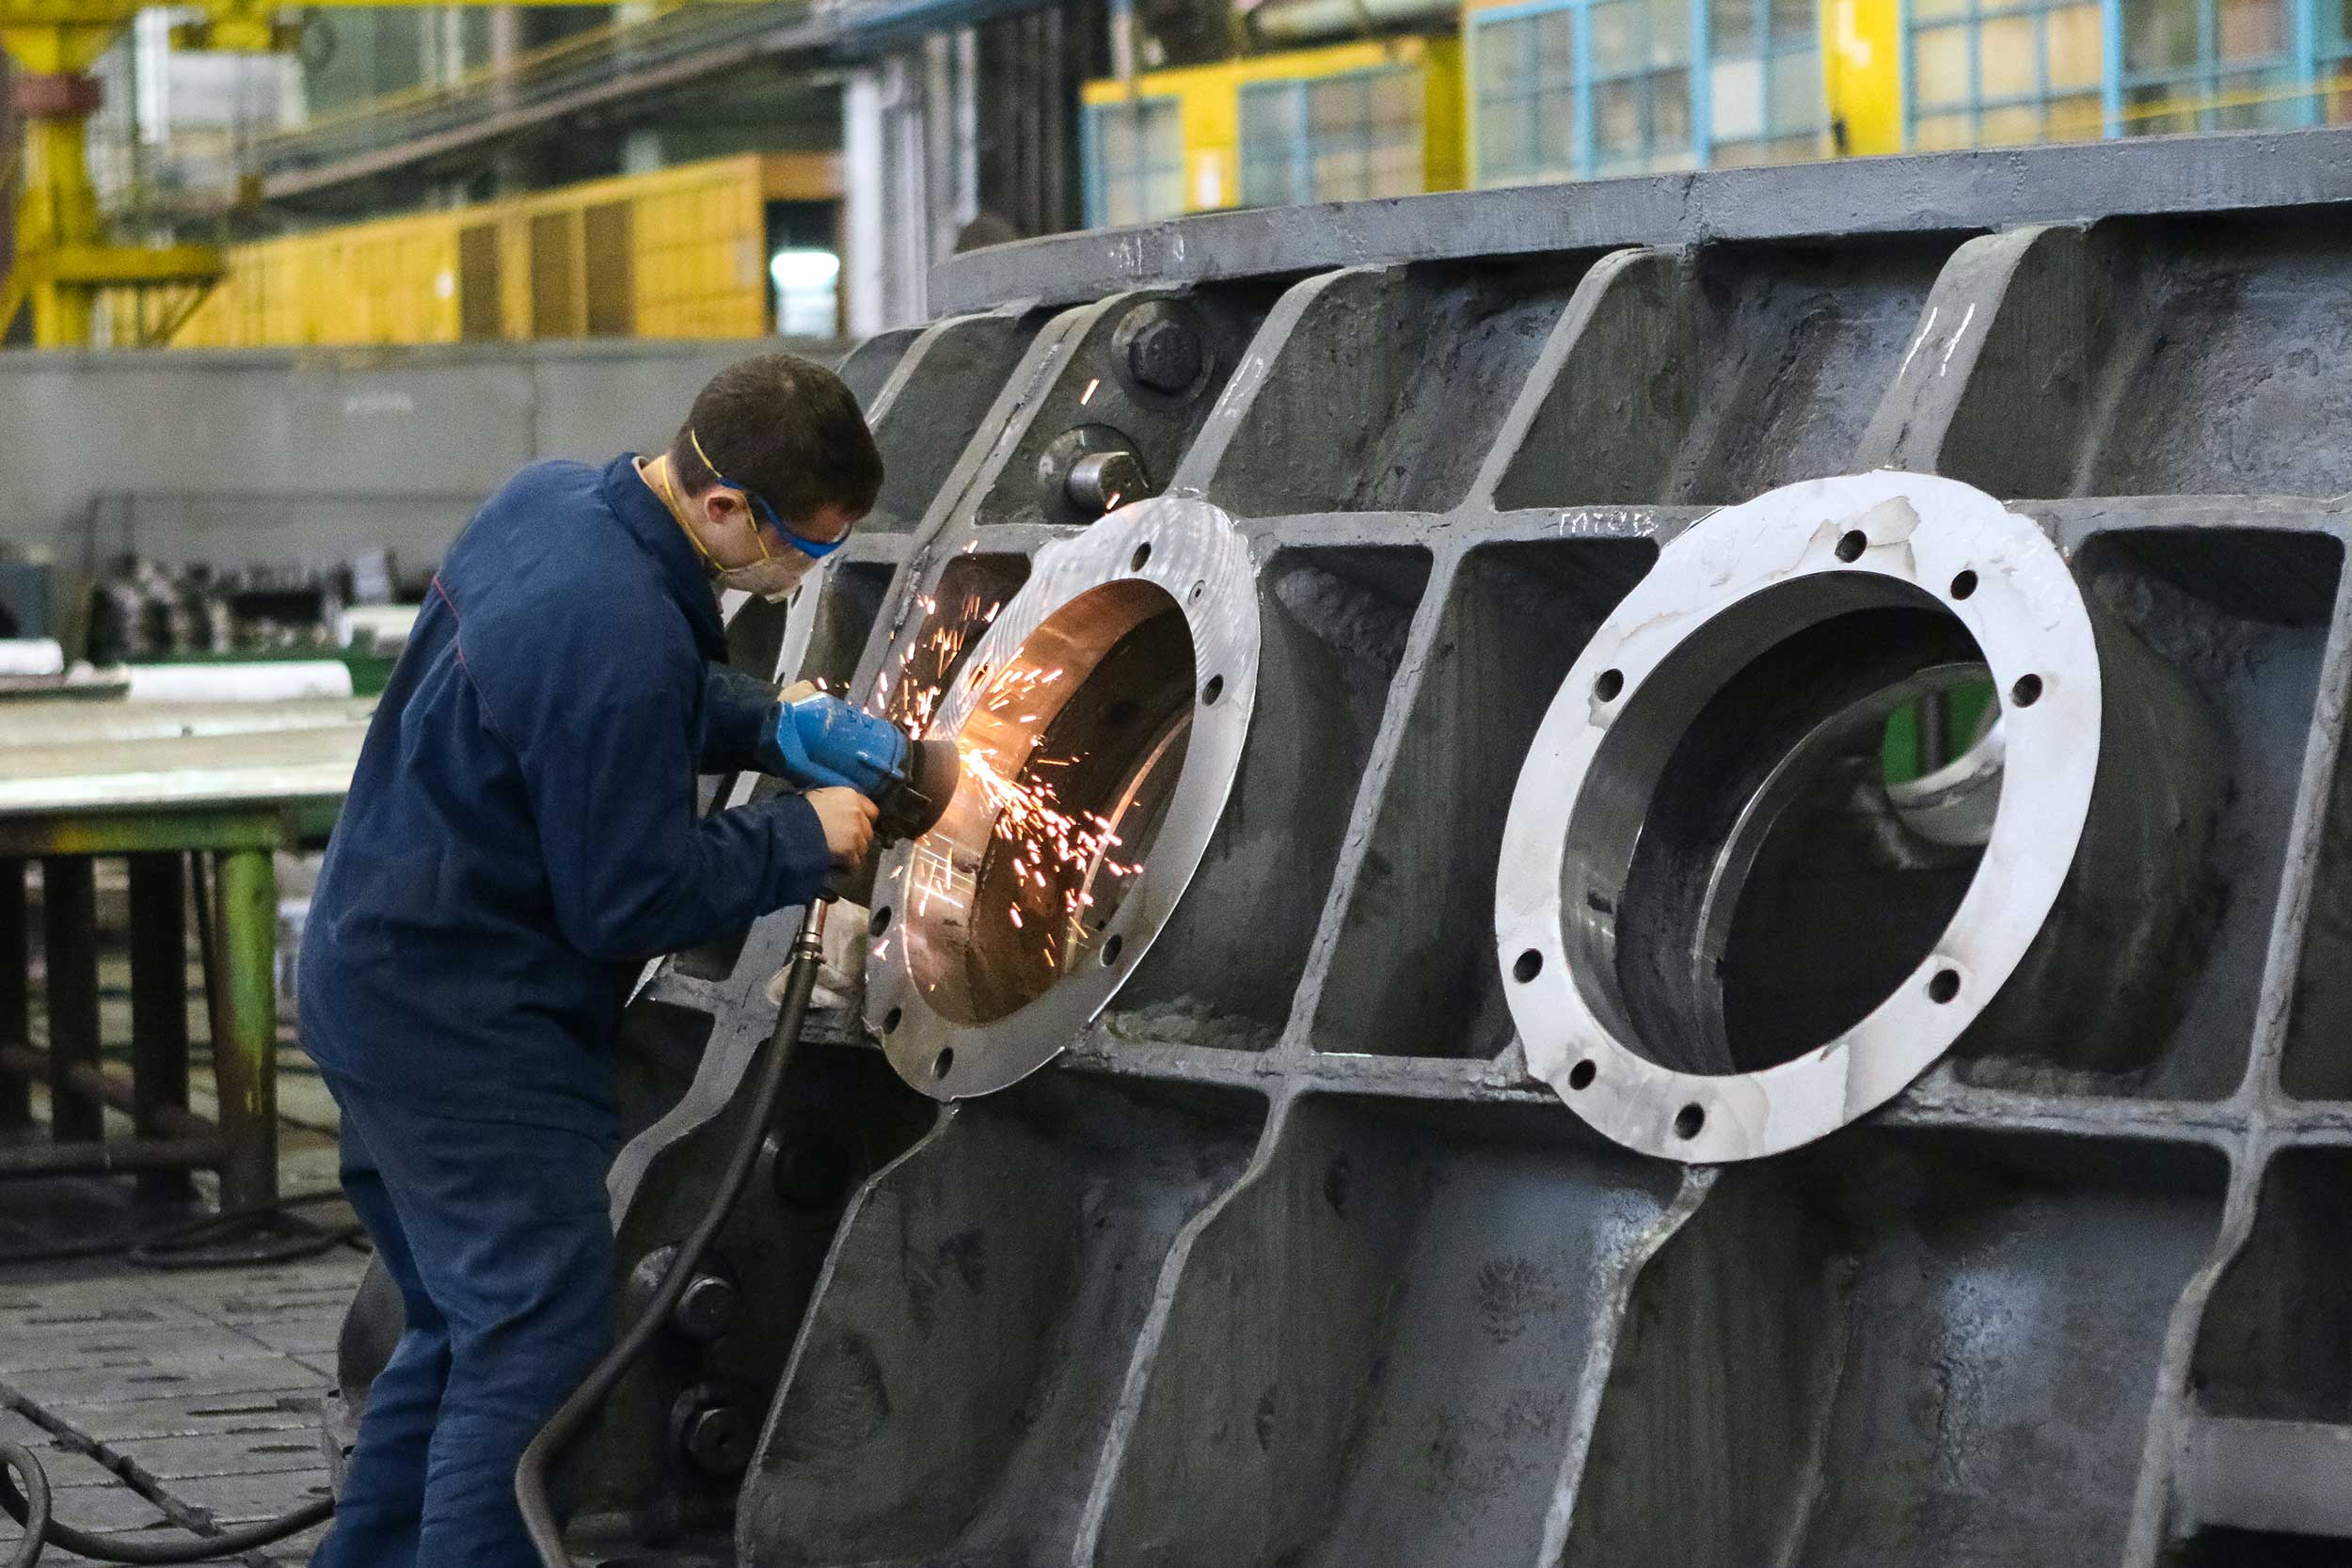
x,y
1816,608
1102,718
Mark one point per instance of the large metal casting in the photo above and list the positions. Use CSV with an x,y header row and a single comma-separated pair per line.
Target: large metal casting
x,y
1600,545
1724,939
1121,678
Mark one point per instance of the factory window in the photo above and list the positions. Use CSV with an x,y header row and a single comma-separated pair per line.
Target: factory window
x,y
2335,63
1993,71
1331,138
1627,112
1640,114
1525,70
2208,65
1133,153
1764,81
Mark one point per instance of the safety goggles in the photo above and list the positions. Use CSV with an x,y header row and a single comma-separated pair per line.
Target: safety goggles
x,y
816,550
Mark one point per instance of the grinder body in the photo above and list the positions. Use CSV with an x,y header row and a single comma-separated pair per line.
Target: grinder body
x,y
825,743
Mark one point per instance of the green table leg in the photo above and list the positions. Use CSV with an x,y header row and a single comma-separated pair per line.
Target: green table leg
x,y
159,1009
68,901
244,1049
16,995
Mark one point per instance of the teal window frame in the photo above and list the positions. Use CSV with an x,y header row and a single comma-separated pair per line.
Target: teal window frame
x,y
1585,159
1097,178
1290,156
1775,44
2299,71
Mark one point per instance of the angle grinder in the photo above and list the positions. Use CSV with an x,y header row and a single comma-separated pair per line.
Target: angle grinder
x,y
822,742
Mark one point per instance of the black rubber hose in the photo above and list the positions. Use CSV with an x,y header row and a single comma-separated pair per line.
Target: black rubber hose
x,y
29,1506
530,1476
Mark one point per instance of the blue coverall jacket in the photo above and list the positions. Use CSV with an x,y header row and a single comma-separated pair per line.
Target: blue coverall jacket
x,y
521,832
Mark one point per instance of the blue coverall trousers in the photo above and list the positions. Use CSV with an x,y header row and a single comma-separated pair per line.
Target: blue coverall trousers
x,y
498,1237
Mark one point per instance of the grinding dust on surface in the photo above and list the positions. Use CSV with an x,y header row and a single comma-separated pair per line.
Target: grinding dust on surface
x,y
1188,1021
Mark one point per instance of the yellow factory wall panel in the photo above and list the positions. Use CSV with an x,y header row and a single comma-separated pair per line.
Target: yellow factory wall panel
x,y
678,253
1208,100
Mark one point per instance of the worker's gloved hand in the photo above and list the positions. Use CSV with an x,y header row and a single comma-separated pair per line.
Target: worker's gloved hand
x,y
771,750
848,818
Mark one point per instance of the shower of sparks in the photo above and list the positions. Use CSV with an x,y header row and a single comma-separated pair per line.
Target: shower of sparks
x,y
909,695
1053,846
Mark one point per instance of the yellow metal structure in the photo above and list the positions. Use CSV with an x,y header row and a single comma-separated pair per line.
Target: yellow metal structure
x,y
1862,74
680,253
64,259
1208,100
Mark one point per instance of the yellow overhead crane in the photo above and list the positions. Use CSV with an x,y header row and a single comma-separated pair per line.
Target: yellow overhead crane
x,y
63,255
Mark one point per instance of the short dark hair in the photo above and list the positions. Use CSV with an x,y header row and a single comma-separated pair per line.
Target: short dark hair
x,y
788,430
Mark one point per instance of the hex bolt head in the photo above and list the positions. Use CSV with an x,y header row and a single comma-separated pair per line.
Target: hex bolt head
x,y
706,1308
1164,354
718,1440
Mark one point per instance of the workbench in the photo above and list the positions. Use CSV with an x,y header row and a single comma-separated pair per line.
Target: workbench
x,y
207,794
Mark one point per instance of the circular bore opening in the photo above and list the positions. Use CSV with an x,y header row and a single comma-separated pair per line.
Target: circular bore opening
x,y
944,1063
1851,544
1210,692
1136,562
890,1020
1609,684
1750,882
1529,965
1945,986
1582,1075
880,923
1963,585
2026,692
1112,948
1687,1121
1071,755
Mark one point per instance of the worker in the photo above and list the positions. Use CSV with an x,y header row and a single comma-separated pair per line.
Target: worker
x,y
521,835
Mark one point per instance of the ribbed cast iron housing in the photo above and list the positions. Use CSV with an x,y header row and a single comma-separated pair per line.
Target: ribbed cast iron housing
x,y
1287,1258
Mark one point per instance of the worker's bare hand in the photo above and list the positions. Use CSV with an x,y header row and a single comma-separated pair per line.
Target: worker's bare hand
x,y
848,818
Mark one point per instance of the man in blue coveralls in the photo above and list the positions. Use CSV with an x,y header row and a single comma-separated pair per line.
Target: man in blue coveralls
x,y
520,836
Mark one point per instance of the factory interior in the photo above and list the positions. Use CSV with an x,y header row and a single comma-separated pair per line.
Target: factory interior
x,y
1175,783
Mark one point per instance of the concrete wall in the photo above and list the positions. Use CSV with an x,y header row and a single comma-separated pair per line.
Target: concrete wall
x,y
314,454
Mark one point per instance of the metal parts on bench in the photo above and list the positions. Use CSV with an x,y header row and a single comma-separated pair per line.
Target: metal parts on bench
x,y
1723,939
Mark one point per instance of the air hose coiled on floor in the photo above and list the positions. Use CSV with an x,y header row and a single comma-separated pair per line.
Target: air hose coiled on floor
x,y
25,1492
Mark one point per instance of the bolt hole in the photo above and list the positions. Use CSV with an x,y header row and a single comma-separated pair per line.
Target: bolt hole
x,y
1582,1075
1198,589
1112,948
1210,692
1687,1121
1945,986
881,922
1851,544
1134,561
979,674
1529,964
890,1020
1609,684
1963,585
944,1063
2027,690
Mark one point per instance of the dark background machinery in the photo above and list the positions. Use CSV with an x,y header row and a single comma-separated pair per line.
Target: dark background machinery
x,y
1287,1258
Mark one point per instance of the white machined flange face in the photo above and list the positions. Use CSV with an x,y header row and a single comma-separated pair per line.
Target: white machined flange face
x,y
2020,606
1167,553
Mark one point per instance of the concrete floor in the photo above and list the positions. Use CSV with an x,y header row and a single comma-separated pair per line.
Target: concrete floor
x,y
198,1389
